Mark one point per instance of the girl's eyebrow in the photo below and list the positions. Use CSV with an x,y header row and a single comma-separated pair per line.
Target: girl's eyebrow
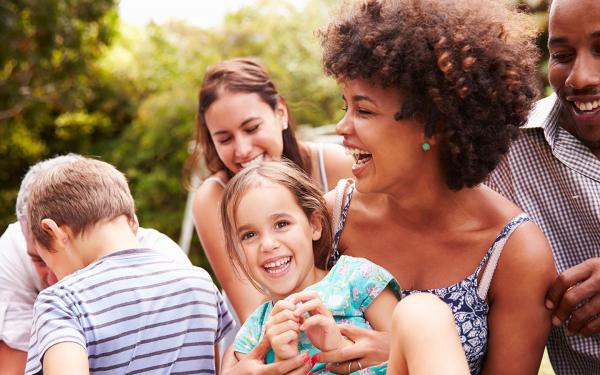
x,y
279,215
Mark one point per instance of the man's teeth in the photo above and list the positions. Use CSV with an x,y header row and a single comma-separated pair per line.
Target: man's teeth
x,y
257,159
587,106
278,263
356,153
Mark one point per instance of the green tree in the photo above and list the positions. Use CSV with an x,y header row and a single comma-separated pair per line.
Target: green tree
x,y
50,84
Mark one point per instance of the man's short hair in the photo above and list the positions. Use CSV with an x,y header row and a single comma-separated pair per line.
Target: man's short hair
x,y
78,194
33,172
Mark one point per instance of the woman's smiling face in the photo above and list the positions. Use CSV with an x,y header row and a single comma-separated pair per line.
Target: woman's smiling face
x,y
386,151
245,129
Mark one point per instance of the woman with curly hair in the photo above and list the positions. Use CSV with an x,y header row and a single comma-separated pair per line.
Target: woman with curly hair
x,y
435,92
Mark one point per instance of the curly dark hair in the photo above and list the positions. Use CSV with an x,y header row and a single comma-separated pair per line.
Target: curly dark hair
x,y
468,67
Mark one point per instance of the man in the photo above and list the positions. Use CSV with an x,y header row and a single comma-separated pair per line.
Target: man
x,y
553,172
23,274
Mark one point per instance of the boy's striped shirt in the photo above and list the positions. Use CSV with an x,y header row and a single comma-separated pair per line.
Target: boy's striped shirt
x,y
134,311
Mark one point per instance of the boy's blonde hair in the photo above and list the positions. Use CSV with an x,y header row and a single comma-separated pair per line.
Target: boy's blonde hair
x,y
78,194
308,196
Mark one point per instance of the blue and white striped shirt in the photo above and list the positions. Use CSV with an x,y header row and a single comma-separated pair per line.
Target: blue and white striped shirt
x,y
135,311
555,178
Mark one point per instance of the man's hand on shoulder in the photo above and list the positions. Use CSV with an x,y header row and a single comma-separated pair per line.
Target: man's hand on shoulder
x,y
574,297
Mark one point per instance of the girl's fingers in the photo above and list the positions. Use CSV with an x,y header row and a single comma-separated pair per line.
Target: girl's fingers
x,y
281,316
313,306
318,321
284,338
302,296
281,305
277,329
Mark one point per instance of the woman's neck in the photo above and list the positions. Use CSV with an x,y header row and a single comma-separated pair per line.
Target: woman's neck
x,y
432,206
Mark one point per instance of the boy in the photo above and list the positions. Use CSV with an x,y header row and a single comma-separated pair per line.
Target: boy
x,y
117,308
23,273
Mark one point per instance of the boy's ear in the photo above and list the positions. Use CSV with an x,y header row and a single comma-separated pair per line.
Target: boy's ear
x,y
59,235
316,225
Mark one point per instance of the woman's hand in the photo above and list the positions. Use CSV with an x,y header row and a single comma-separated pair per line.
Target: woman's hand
x,y
370,348
282,330
253,363
319,327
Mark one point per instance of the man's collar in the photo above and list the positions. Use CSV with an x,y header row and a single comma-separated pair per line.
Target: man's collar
x,y
545,115
541,112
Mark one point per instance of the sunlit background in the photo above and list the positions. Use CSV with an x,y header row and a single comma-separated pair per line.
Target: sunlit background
x,y
119,80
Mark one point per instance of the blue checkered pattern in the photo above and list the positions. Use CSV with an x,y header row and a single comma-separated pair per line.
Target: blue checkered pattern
x,y
553,177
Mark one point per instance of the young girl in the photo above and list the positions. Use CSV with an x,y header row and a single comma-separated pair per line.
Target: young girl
x,y
278,232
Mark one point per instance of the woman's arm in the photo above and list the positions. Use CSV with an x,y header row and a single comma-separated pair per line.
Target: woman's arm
x,y
518,321
244,297
253,363
370,347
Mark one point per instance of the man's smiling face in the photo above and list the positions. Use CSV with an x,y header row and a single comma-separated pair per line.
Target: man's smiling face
x,y
574,67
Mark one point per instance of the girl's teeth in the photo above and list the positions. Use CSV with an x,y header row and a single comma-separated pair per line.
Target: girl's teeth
x,y
277,263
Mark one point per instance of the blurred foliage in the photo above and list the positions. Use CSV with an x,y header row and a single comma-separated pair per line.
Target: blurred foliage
x,y
53,97
74,79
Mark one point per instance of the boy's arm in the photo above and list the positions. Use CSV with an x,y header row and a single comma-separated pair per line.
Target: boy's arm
x,y
56,336
58,356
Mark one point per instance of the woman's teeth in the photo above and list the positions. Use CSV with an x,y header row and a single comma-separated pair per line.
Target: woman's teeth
x,y
587,106
276,266
360,156
256,160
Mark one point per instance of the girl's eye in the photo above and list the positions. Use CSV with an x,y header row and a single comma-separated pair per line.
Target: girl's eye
x,y
248,236
282,224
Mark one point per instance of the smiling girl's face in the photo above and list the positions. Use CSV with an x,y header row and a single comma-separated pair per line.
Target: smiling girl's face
x,y
277,238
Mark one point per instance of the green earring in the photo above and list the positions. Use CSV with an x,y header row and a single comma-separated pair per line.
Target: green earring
x,y
426,146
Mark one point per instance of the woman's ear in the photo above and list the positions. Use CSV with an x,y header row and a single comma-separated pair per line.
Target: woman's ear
x,y
316,226
59,235
281,112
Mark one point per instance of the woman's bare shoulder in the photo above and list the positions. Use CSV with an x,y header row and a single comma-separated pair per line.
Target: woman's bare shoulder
x,y
209,193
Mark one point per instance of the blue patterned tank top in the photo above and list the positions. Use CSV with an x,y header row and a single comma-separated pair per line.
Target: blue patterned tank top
x,y
466,298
